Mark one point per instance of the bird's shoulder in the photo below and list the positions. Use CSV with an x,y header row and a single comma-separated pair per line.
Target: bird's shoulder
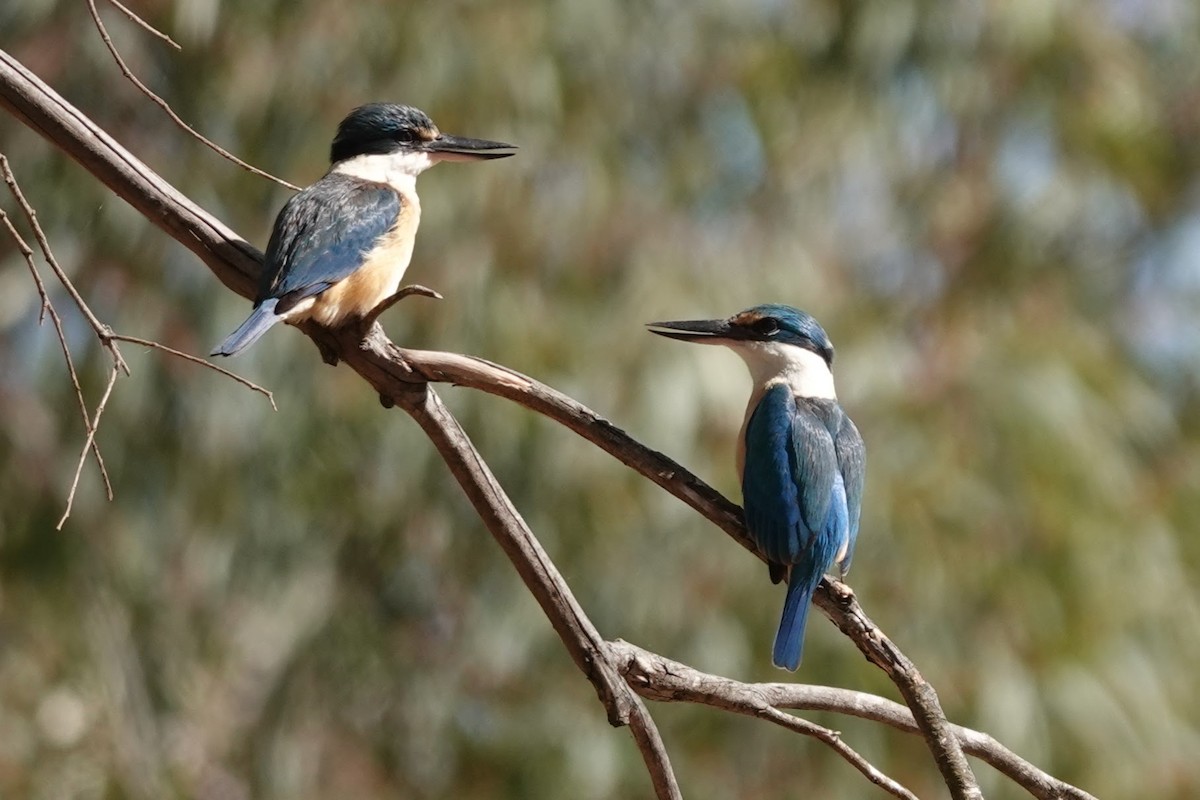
x,y
827,411
323,230
338,200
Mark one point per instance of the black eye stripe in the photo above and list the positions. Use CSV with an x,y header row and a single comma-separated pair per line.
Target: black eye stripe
x,y
766,326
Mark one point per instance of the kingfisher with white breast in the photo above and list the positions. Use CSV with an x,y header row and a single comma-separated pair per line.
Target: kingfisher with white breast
x,y
800,458
340,247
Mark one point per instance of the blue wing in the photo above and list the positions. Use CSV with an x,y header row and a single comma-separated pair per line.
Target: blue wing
x,y
789,476
320,237
852,463
795,501
321,234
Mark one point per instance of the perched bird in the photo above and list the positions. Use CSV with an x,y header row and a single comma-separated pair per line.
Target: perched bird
x,y
800,458
340,247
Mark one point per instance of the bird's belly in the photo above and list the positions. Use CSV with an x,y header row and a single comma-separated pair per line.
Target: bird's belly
x,y
374,281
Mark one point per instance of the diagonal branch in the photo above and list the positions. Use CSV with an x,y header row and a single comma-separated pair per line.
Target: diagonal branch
x,y
158,101
191,359
838,602
543,580
146,26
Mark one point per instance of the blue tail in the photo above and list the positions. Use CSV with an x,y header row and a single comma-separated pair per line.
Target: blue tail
x,y
789,641
262,318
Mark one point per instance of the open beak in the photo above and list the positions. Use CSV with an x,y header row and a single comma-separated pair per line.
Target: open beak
x,y
460,148
704,331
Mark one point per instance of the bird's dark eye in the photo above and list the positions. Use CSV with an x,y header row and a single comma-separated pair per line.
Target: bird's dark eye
x,y
405,137
766,327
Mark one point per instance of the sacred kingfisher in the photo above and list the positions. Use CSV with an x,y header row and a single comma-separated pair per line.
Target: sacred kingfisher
x,y
340,247
800,458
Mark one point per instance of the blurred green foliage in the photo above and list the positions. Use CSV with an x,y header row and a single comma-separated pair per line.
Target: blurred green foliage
x,y
992,207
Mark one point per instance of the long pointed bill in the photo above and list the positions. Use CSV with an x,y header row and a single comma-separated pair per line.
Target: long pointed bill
x,y
460,148
704,331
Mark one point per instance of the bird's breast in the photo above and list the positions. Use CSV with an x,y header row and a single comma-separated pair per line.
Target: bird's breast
x,y
379,275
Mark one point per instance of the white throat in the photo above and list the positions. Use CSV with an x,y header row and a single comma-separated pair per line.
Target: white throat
x,y
398,170
772,362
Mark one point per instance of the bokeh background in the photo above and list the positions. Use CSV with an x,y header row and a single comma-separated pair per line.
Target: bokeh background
x,y
991,206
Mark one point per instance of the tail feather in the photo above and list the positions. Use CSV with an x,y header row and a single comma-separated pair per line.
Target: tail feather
x,y
789,641
262,318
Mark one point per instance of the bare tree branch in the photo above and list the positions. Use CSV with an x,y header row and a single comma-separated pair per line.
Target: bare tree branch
x,y
47,309
98,327
392,373
838,602
171,351
29,99
543,580
659,678
89,443
158,101
107,337
146,26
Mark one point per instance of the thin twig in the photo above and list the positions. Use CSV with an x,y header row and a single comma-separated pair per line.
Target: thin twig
x,y
101,330
120,337
99,327
158,101
834,740
108,338
146,26
543,580
47,309
91,439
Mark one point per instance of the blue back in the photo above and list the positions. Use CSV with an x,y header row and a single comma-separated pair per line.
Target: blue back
x,y
802,489
321,235
788,482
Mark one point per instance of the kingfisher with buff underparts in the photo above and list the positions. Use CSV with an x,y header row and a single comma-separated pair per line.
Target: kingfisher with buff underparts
x,y
800,458
340,247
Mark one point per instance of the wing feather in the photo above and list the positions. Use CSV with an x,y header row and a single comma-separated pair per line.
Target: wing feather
x,y
852,463
787,482
321,235
801,487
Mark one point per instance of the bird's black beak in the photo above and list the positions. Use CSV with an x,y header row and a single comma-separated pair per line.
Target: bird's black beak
x,y
460,148
704,331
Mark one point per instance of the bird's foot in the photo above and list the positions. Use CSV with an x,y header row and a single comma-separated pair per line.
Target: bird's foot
x,y
329,353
